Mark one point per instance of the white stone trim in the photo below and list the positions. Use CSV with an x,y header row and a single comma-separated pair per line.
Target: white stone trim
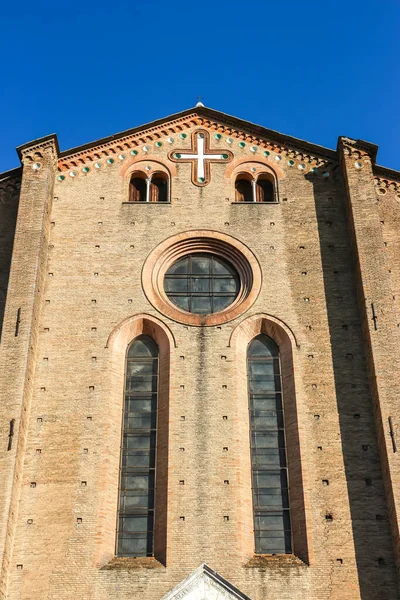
x,y
204,584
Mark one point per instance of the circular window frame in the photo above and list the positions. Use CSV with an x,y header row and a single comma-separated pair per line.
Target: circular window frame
x,y
209,242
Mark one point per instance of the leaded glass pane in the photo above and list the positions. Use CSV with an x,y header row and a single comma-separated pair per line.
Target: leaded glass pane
x,y
261,368
262,419
263,346
200,285
143,347
180,301
140,404
221,302
225,285
138,459
201,264
222,268
140,420
179,268
135,523
201,305
174,285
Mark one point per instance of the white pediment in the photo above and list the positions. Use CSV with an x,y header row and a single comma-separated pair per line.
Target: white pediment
x,y
204,584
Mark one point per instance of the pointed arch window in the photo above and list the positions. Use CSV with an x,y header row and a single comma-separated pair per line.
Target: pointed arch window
x,y
272,528
135,530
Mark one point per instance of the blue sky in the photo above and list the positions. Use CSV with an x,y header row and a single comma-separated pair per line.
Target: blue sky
x,y
310,70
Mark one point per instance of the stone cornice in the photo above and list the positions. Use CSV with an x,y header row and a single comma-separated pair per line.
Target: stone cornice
x,y
39,152
39,146
357,148
386,185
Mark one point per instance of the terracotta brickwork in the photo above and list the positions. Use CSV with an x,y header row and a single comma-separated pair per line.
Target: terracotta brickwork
x,y
325,262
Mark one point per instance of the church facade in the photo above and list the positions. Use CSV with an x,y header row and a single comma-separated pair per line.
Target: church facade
x,y
199,367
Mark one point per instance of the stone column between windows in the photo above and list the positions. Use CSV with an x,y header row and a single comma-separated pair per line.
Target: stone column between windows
x,y
381,336
148,182
19,347
254,190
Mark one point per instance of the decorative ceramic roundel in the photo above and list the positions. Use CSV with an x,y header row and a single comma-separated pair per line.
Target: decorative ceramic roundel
x,y
202,283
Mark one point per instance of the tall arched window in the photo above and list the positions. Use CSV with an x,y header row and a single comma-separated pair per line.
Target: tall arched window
x,y
135,534
243,188
159,188
272,527
137,188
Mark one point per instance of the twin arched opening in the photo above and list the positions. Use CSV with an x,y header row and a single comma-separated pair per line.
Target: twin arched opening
x,y
250,189
154,187
148,188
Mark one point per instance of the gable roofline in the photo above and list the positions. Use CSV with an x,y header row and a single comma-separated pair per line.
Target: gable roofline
x,y
11,173
204,111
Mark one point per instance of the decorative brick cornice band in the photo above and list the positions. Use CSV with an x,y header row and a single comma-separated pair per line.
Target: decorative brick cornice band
x,y
42,149
151,135
387,184
357,148
174,248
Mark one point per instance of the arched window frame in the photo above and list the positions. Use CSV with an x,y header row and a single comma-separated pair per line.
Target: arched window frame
x,y
118,342
133,192
270,480
253,171
260,192
295,412
155,191
138,426
156,171
246,178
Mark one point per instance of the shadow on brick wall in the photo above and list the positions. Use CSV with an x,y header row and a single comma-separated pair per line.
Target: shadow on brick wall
x,y
369,513
9,198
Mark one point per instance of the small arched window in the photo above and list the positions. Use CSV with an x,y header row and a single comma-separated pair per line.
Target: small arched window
x,y
135,532
137,188
272,528
159,188
265,188
244,188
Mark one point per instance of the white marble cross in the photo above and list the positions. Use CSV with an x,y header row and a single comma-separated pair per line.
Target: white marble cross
x,y
201,156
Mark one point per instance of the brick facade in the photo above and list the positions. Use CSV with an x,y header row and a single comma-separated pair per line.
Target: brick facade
x,y
328,290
